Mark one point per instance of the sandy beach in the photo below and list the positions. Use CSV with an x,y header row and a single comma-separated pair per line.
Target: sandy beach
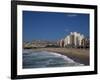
x,y
78,55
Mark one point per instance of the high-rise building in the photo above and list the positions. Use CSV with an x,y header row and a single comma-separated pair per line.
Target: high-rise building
x,y
61,43
74,39
67,41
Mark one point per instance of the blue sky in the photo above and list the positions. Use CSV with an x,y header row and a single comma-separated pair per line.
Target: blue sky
x,y
53,26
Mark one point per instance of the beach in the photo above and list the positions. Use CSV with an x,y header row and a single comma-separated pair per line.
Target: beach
x,y
78,55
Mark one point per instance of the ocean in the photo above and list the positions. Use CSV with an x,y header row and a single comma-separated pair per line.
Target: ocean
x,y
43,59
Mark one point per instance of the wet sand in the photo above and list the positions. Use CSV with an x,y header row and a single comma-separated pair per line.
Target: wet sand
x,y
78,55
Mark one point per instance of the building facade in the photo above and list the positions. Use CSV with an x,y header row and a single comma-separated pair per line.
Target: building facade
x,y
74,39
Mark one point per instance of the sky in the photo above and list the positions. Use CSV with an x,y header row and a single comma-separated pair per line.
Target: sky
x,y
53,26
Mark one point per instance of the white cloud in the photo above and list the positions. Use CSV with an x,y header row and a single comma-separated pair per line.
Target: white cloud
x,y
72,15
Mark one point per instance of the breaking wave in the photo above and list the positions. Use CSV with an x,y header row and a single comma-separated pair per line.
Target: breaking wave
x,y
39,59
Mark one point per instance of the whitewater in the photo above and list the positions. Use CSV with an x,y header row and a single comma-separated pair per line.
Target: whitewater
x,y
42,59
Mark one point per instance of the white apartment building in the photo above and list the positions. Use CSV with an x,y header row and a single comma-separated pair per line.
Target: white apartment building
x,y
74,39
61,43
67,40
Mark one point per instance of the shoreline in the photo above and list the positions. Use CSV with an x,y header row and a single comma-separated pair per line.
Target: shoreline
x,y
78,55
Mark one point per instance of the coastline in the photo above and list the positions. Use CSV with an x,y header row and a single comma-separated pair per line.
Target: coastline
x,y
78,55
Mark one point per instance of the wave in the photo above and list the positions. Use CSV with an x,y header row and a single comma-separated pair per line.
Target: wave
x,y
66,58
46,59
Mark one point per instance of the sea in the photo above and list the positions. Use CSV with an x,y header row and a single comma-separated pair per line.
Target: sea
x,y
43,59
